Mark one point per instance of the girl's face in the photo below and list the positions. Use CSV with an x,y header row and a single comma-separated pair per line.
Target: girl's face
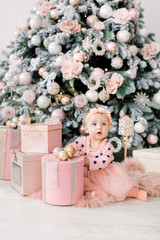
x,y
97,126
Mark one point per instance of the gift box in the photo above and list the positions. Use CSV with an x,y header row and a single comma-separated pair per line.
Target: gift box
x,y
150,158
26,173
40,138
62,181
9,139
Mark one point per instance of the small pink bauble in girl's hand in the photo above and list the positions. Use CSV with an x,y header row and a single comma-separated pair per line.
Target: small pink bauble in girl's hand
x,y
152,139
63,155
56,151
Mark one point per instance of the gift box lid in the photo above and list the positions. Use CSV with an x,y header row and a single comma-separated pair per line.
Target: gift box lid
x,y
40,127
61,164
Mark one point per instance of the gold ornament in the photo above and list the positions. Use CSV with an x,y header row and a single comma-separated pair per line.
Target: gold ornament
x,y
82,129
63,155
41,71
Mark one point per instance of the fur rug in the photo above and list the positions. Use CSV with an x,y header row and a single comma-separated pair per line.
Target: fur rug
x,y
150,182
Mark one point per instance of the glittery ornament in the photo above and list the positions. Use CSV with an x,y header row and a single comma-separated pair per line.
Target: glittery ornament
x,y
152,139
98,48
133,50
103,95
141,98
53,88
111,47
82,129
117,62
46,42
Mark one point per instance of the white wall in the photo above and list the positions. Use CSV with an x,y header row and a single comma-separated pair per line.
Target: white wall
x,y
16,11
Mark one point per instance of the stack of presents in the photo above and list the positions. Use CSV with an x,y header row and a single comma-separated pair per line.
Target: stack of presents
x,y
27,159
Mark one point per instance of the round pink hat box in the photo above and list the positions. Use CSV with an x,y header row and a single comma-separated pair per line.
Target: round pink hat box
x,y
62,181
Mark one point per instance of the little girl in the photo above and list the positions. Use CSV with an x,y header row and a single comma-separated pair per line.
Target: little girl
x,y
104,178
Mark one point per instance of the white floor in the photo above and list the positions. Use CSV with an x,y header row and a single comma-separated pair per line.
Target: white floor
x,y
22,218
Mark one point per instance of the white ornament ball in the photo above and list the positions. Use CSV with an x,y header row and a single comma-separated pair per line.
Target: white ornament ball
x,y
13,125
35,23
54,48
105,11
7,76
91,19
117,62
56,151
15,120
43,102
60,60
36,40
156,98
25,78
139,128
152,139
92,95
143,32
53,88
123,36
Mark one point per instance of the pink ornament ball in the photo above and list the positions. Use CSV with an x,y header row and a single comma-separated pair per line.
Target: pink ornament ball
x,y
134,14
54,14
56,151
41,71
97,74
91,20
25,78
35,23
58,113
152,139
65,100
111,47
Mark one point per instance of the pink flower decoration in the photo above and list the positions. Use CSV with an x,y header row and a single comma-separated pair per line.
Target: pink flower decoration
x,y
114,83
71,69
8,112
70,26
121,16
99,25
80,100
150,51
45,8
29,96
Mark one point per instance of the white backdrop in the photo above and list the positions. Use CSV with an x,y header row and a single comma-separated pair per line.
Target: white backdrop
x,y
16,11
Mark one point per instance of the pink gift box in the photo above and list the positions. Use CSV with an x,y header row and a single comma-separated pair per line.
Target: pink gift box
x,y
9,139
26,173
62,181
40,138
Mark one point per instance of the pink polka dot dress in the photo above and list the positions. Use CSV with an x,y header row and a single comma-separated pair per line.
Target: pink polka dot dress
x,y
104,174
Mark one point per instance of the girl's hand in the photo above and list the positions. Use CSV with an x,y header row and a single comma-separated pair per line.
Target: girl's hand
x,y
86,161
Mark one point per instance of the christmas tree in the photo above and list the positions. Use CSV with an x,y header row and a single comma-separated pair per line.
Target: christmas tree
x,y
71,55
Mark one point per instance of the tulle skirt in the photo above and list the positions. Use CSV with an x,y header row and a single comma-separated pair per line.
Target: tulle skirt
x,y
112,180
